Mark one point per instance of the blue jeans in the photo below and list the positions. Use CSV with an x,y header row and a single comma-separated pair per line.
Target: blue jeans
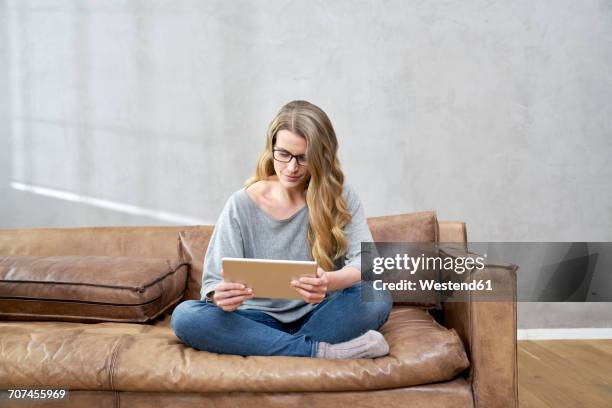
x,y
341,316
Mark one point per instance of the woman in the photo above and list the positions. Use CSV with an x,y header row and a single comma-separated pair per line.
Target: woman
x,y
295,207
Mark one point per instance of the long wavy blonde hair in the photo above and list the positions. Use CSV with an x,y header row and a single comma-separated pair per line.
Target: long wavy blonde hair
x,y
327,209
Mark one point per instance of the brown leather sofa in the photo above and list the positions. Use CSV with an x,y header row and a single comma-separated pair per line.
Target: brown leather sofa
x,y
460,355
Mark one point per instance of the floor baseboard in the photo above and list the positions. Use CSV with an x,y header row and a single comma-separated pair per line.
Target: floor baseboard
x,y
565,334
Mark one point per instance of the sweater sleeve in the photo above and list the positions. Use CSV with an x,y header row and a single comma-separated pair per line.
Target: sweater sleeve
x,y
356,230
226,241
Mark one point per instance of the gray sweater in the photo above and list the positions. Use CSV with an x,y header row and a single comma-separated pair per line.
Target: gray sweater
x,y
244,230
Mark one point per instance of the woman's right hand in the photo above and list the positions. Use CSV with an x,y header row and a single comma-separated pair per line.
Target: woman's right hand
x,y
229,295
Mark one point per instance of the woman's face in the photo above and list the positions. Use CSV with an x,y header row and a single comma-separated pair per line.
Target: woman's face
x,y
291,175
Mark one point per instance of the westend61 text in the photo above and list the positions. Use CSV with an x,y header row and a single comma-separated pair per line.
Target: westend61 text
x,y
433,285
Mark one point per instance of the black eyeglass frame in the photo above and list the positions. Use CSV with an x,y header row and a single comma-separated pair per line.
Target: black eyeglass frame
x,y
297,157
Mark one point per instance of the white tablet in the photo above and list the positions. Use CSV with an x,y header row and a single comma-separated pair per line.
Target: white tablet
x,y
269,278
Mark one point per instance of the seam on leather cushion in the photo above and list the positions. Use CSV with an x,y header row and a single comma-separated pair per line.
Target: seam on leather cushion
x,y
116,259
113,359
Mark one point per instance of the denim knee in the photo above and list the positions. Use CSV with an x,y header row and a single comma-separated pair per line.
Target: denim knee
x,y
379,307
379,311
374,306
181,319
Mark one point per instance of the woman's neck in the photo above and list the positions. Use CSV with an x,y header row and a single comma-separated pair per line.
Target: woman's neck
x,y
290,196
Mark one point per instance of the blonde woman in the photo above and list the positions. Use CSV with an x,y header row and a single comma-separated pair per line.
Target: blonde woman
x,y
295,207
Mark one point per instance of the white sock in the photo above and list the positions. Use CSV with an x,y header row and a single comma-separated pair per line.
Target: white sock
x,y
369,345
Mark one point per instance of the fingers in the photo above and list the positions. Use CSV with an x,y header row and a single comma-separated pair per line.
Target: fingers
x,y
313,281
231,304
230,295
308,287
223,286
219,295
229,308
311,289
310,297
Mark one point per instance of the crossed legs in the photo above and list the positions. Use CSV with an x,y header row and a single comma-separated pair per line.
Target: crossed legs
x,y
342,316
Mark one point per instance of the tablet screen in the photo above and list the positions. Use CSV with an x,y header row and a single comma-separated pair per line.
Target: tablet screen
x,y
269,278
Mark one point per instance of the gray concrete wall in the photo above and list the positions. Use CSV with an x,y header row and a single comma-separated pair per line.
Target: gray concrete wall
x,y
495,113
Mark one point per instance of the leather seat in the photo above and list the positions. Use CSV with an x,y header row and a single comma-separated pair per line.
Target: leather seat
x,y
137,357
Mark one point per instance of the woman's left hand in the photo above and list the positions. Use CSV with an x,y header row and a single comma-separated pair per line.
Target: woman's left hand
x,y
313,290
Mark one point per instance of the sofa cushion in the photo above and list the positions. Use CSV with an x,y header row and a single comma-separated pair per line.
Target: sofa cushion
x,y
193,243
112,356
419,229
89,288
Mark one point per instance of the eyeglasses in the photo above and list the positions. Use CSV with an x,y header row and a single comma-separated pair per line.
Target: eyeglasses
x,y
286,157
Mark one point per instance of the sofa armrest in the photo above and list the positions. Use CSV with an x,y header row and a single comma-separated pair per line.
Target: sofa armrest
x,y
488,332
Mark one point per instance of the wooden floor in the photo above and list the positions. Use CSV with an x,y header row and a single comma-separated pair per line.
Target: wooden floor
x,y
565,373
